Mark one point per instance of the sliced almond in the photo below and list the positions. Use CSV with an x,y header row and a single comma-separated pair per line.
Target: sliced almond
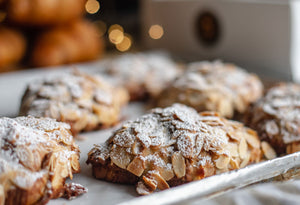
x,y
234,163
243,147
252,139
136,148
185,146
198,144
75,163
137,166
161,183
222,162
233,149
120,157
268,151
178,163
166,173
150,182
245,161
142,189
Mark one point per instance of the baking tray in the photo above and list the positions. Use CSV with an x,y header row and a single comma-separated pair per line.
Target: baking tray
x,y
12,86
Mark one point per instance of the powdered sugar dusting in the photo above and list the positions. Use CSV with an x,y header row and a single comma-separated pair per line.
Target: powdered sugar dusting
x,y
72,97
214,86
281,108
175,128
25,141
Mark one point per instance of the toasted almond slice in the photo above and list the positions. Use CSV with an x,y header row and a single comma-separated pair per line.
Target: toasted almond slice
x,y
142,189
252,139
137,166
167,174
150,182
234,164
233,149
243,147
27,158
234,135
222,162
198,144
178,164
245,161
185,146
120,157
268,151
161,183
75,163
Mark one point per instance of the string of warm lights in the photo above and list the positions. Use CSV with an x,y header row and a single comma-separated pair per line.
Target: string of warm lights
x,y
116,35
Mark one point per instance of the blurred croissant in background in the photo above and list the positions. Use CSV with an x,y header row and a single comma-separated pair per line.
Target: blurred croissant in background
x,y
43,12
75,42
54,31
12,46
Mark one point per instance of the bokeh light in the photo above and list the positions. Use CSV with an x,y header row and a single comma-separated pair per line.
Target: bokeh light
x,y
125,44
92,6
115,27
156,31
116,34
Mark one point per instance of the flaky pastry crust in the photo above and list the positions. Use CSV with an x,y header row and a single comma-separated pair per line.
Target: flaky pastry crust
x,y
173,146
85,102
213,86
276,117
36,157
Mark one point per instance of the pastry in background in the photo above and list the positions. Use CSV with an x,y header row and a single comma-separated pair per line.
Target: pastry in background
x,y
74,42
276,117
85,102
36,157
172,146
144,75
44,13
12,47
213,86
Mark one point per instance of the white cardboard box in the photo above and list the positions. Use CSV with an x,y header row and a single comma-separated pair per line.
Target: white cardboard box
x,y
261,36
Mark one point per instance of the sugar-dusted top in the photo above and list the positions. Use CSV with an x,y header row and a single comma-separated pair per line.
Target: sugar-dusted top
x,y
205,75
279,111
24,144
77,98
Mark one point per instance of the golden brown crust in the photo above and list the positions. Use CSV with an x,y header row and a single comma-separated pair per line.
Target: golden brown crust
x,y
12,47
74,42
44,13
37,155
85,102
173,146
276,117
213,86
